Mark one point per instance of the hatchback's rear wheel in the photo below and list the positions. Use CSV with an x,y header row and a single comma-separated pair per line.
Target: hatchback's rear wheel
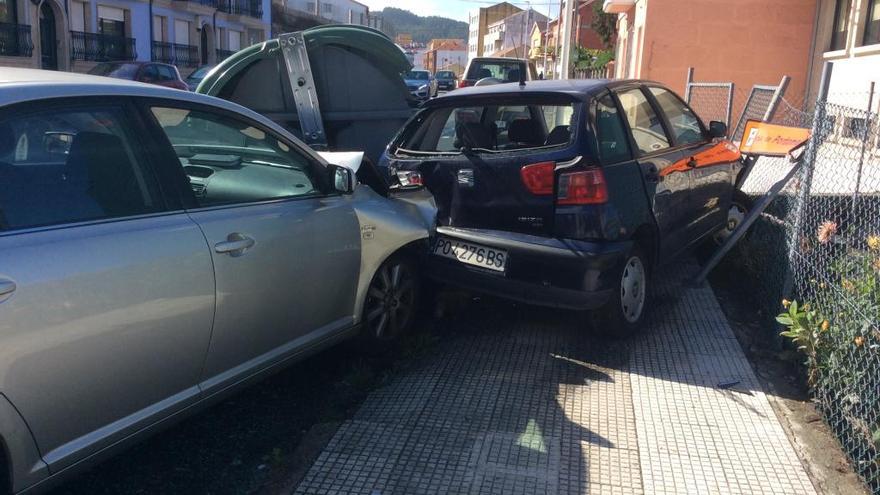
x,y
392,299
623,314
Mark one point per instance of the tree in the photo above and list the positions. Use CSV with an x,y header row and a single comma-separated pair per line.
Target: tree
x,y
604,24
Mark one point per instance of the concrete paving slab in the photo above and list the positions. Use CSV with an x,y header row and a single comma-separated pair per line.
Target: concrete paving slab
x,y
524,400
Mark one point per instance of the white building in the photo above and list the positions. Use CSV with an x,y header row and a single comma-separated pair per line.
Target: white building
x,y
341,11
511,36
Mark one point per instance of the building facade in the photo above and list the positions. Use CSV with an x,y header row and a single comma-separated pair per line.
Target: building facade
x,y
848,34
511,36
745,42
338,11
76,36
446,54
479,21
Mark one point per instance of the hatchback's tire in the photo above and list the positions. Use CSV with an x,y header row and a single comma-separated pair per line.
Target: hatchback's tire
x,y
392,299
623,314
739,208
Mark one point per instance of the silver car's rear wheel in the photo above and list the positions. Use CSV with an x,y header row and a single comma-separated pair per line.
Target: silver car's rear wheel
x,y
391,299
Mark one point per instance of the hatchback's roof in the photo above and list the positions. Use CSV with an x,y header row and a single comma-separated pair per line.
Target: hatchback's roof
x,y
577,88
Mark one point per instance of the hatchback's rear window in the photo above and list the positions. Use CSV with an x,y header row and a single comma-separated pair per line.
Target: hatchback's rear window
x,y
506,71
496,127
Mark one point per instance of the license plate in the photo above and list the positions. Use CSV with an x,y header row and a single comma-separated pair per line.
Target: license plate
x,y
471,254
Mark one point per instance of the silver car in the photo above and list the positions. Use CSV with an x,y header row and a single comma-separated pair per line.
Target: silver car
x,y
159,249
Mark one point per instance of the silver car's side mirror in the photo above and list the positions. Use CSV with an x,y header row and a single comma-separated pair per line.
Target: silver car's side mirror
x,y
342,179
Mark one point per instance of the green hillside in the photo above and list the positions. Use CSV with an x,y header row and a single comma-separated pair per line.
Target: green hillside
x,y
422,29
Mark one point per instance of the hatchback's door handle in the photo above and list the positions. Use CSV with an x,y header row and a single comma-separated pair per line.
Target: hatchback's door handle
x,y
234,245
6,287
652,175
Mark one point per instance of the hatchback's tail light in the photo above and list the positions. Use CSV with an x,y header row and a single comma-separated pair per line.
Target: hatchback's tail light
x,y
584,187
538,177
409,178
463,83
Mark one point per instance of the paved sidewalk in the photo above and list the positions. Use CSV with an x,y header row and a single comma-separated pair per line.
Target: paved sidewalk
x,y
518,400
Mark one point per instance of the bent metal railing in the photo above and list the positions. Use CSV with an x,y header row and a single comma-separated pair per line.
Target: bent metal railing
x,y
175,53
97,47
15,40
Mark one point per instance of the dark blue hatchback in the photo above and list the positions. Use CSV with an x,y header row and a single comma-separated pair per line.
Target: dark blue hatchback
x,y
565,193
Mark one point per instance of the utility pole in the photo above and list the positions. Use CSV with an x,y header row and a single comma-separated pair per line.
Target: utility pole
x,y
566,39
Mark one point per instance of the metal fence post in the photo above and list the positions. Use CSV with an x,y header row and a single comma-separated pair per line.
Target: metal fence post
x,y
687,84
777,96
868,123
729,107
807,173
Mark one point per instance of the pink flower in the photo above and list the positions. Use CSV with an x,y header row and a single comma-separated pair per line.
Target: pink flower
x,y
826,231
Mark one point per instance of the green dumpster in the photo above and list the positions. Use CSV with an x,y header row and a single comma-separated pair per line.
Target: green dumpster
x,y
337,87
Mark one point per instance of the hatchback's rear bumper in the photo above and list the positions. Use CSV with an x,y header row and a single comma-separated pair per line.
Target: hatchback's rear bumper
x,y
544,271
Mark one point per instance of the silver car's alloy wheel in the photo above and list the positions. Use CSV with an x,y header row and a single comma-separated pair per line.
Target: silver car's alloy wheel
x,y
632,289
390,300
735,216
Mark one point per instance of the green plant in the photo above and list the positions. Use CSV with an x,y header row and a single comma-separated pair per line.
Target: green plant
x,y
807,331
604,24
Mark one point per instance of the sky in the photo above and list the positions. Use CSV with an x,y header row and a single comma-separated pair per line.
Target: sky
x,y
457,9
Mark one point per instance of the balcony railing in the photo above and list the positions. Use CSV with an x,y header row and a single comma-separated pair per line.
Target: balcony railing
x,y
223,54
99,47
175,53
15,40
252,8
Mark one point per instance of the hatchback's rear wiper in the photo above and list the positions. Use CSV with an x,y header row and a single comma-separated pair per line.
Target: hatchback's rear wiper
x,y
420,152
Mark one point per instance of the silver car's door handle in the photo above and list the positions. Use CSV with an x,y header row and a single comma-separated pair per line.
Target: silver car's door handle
x,y
235,244
7,287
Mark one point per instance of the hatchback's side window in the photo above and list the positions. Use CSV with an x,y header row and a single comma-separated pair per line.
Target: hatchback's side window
x,y
229,160
166,73
68,166
647,129
610,133
149,73
685,126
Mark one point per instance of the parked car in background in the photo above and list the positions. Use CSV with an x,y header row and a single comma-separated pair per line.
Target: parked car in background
x,y
566,193
497,70
446,80
192,81
160,249
421,84
145,72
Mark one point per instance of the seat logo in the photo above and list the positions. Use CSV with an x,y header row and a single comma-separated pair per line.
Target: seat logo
x,y
466,177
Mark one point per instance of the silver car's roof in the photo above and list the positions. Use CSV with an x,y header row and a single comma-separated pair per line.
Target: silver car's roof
x,y
23,85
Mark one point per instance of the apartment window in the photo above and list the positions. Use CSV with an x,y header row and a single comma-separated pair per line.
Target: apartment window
x,y
181,32
160,28
77,16
310,7
327,8
7,11
111,21
254,36
872,26
234,40
840,28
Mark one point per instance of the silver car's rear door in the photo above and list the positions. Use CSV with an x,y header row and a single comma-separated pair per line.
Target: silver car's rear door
x,y
106,292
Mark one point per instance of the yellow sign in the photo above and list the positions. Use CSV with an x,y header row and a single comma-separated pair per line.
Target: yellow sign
x,y
761,138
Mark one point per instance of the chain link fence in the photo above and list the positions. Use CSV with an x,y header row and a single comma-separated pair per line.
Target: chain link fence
x,y
834,256
819,243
